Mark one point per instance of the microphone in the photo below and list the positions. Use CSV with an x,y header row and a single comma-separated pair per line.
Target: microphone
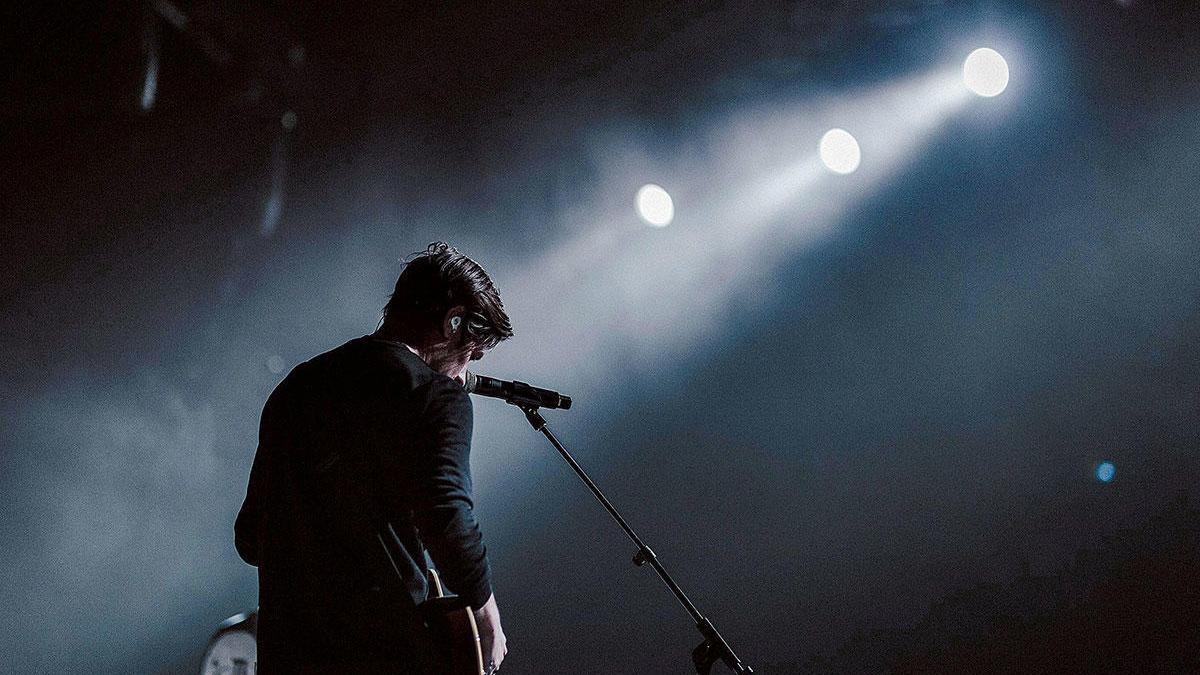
x,y
517,393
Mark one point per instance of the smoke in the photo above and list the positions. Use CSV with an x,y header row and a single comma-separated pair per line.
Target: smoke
x,y
115,490
618,295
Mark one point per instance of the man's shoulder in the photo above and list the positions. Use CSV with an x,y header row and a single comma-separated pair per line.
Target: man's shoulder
x,y
449,392
370,356
331,360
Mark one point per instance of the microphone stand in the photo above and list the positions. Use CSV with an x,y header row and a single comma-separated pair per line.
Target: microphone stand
x,y
714,647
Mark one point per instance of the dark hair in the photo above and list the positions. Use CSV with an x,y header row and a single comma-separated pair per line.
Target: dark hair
x,y
439,278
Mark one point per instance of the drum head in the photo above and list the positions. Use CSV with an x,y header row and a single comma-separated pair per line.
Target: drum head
x,y
233,650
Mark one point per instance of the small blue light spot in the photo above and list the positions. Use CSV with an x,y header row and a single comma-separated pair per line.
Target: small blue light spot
x,y
1105,472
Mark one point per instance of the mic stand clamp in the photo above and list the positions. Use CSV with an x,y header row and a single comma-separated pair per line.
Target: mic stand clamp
x,y
714,648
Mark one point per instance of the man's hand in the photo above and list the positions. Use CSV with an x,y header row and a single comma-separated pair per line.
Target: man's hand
x,y
491,636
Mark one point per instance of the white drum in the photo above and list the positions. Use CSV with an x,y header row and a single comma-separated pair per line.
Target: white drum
x,y
233,649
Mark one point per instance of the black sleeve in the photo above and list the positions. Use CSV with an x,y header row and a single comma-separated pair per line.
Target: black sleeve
x,y
246,530
444,511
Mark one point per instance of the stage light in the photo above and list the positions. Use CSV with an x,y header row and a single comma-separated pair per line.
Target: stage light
x,y
1105,471
654,205
839,151
985,72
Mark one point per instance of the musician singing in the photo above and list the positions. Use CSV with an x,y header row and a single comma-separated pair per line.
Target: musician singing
x,y
362,467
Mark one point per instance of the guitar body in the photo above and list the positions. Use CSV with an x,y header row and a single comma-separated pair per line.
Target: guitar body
x,y
453,632
453,635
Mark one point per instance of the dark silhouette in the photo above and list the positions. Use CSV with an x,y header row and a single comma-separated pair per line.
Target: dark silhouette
x,y
363,466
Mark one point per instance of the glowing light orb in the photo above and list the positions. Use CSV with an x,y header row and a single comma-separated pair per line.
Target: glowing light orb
x,y
1105,471
985,72
839,151
654,205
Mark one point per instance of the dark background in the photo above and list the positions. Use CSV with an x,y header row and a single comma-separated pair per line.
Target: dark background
x,y
822,431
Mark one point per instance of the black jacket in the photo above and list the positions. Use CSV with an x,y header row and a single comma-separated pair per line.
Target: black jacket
x,y
361,448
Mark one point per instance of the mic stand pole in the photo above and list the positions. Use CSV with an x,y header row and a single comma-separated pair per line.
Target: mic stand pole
x,y
714,646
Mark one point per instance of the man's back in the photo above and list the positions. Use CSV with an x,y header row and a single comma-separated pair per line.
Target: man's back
x,y
359,449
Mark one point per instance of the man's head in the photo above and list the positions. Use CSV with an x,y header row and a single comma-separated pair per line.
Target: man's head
x,y
447,308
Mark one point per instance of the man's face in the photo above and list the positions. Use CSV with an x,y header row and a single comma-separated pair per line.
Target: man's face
x,y
461,344
451,359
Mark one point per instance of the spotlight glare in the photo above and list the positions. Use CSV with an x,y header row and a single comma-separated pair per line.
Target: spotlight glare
x,y
654,205
839,151
1105,471
985,72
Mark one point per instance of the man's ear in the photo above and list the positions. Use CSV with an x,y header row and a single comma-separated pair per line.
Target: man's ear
x,y
453,321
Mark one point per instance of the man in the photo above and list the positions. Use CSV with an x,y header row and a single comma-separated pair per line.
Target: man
x,y
362,466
